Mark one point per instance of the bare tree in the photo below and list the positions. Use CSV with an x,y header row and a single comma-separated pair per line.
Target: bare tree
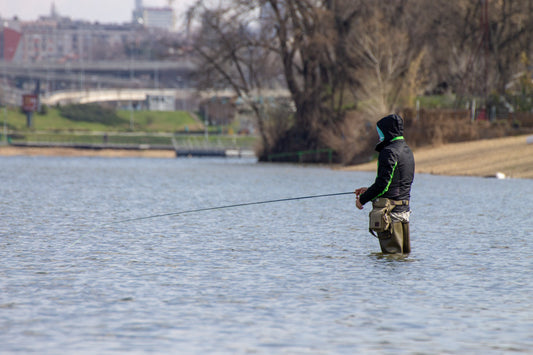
x,y
478,44
312,39
307,39
389,47
233,54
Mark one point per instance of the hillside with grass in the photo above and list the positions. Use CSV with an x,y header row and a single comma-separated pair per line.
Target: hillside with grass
x,y
96,125
94,118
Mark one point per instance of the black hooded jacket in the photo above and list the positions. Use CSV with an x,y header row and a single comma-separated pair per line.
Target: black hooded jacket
x,y
396,165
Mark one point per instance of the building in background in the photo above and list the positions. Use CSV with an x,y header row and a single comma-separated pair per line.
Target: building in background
x,y
160,102
62,40
56,53
138,12
59,39
54,38
9,43
154,17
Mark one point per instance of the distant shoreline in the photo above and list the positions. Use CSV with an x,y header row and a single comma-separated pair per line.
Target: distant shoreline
x,y
510,156
76,152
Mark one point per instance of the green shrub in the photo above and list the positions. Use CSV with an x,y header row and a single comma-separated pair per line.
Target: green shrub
x,y
91,113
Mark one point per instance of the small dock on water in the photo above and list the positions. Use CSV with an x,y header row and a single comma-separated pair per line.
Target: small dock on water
x,y
187,150
225,153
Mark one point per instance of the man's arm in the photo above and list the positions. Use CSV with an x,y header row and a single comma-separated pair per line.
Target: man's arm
x,y
386,167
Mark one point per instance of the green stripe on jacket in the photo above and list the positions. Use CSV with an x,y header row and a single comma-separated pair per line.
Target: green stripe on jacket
x,y
390,181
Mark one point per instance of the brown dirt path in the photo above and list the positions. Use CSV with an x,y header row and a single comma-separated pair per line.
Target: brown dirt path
x,y
74,152
511,156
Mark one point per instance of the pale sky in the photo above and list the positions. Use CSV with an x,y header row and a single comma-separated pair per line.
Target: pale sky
x,y
103,11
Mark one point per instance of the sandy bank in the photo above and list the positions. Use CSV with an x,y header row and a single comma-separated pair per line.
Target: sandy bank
x,y
74,152
510,155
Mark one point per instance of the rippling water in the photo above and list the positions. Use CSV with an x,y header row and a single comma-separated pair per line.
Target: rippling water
x,y
300,277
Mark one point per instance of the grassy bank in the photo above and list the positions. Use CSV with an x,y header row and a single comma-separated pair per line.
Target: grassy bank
x,y
145,121
137,127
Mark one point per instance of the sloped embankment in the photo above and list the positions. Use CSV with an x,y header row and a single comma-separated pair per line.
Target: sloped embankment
x,y
511,156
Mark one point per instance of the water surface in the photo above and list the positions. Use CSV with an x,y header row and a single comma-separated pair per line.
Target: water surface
x,y
301,277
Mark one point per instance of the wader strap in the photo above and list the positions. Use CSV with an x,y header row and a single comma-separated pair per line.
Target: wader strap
x,y
379,218
400,202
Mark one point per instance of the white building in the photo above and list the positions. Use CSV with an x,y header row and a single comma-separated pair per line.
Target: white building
x,y
153,17
159,17
160,102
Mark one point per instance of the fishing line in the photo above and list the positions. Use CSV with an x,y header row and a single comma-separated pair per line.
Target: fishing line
x,y
208,209
229,206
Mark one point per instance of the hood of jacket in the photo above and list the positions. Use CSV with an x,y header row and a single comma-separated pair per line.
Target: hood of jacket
x,y
392,128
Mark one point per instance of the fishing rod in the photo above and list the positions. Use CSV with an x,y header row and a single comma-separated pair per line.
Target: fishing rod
x,y
230,206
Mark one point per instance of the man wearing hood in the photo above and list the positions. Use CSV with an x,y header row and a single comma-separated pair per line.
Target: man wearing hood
x,y
395,173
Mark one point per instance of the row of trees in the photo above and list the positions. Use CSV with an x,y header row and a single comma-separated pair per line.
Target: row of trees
x,y
371,57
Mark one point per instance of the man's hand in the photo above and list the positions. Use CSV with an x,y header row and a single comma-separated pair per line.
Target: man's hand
x,y
358,193
358,203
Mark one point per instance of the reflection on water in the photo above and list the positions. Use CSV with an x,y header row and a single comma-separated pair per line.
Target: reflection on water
x,y
293,277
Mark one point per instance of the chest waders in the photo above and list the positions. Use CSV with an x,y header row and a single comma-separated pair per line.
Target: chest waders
x,y
393,235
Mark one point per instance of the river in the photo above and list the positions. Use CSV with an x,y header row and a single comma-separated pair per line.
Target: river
x,y
294,277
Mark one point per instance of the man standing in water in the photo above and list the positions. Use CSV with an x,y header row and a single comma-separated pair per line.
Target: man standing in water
x,y
396,170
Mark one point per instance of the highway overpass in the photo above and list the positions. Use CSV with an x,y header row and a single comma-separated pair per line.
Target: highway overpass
x,y
118,73
124,95
105,95
105,81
